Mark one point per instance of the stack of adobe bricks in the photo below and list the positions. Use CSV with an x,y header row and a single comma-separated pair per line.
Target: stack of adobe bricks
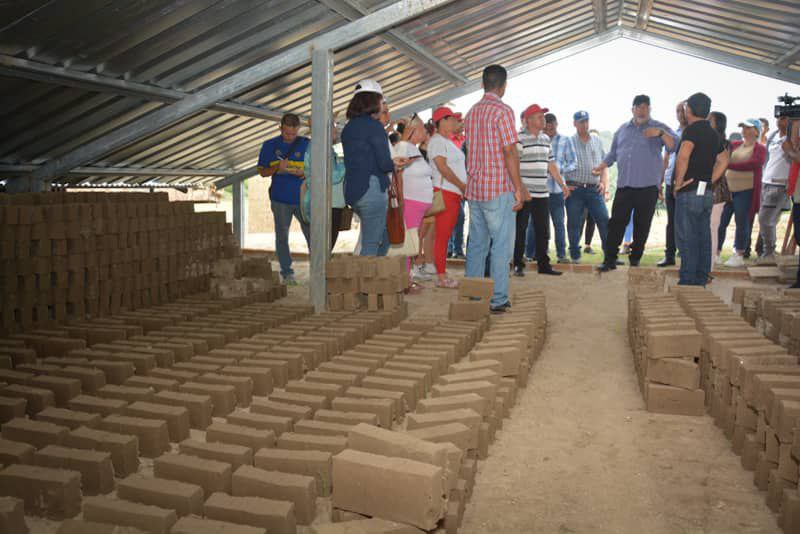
x,y
244,276
775,313
666,348
66,256
753,391
374,283
250,412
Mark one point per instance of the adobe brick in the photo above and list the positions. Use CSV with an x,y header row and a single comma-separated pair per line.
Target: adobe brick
x,y
97,472
12,516
194,525
311,442
458,434
153,382
36,399
383,408
15,452
125,393
123,448
11,407
98,405
38,433
240,435
276,516
125,513
315,464
153,435
211,475
69,418
184,498
345,418
275,423
235,455
54,493
176,417
260,376
269,407
298,489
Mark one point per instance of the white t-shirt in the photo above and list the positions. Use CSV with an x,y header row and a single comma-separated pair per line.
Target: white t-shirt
x,y
438,146
777,170
417,183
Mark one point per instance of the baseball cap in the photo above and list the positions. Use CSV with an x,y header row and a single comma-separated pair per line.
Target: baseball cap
x,y
442,113
459,116
581,116
368,86
641,99
530,110
751,123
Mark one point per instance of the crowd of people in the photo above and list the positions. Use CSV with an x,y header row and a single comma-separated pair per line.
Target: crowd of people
x,y
517,182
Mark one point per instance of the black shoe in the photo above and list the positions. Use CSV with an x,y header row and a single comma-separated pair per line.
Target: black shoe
x,y
449,254
634,263
588,249
459,256
606,267
666,262
501,308
551,272
619,263
519,271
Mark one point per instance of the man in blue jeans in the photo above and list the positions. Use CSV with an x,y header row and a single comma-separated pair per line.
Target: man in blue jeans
x,y
588,189
282,159
700,162
564,156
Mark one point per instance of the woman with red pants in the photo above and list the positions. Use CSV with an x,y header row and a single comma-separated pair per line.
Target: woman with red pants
x,y
449,176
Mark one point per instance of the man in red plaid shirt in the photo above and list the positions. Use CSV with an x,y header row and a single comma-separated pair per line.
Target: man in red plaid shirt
x,y
494,189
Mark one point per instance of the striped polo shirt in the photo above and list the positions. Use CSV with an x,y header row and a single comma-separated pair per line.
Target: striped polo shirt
x,y
534,156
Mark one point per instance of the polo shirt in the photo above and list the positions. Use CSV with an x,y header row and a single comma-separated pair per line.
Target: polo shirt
x,y
285,188
534,158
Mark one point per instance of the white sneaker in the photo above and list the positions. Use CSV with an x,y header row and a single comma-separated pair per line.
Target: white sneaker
x,y
735,261
429,268
418,272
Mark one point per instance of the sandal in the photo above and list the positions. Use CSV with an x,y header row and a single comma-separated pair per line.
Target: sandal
x,y
447,283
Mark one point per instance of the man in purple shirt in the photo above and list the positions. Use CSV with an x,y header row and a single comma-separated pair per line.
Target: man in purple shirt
x,y
637,148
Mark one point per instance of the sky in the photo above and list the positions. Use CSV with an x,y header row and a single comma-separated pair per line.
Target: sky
x,y
604,80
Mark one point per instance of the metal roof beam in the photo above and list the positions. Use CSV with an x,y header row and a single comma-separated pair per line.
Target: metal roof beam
x,y
235,177
33,70
643,16
710,54
789,57
352,10
296,56
123,171
519,69
599,7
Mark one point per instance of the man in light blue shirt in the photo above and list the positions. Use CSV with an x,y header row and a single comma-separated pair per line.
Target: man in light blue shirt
x,y
637,148
669,198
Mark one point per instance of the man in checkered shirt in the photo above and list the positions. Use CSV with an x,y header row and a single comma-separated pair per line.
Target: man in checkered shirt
x,y
494,189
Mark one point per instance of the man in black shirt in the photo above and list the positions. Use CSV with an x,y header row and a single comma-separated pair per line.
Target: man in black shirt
x,y
701,160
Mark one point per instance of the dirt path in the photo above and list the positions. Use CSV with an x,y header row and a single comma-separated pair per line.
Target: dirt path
x,y
580,454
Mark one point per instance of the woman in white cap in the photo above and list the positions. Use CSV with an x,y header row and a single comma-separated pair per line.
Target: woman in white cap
x,y
744,180
368,163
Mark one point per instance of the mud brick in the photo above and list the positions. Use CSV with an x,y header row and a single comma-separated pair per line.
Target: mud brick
x,y
764,383
672,400
470,376
269,407
315,402
240,435
124,449
36,399
152,434
217,362
354,360
329,391
142,363
235,455
163,357
345,418
385,405
261,377
98,405
211,475
312,442
483,388
173,374
406,387
366,525
674,372
784,420
481,288
373,485
775,488
742,368
176,417
509,357
721,349
154,383
787,465
468,417
673,344
63,388
223,397
52,346
277,424
97,472
15,452
197,367
181,351
421,380
321,428
18,355
55,493
126,393
312,353
37,368
275,516
69,418
278,368
194,525
91,379
184,498
458,434
430,371
471,401
37,433
315,464
298,489
116,372
294,361
125,513
369,352
12,516
341,379
11,407
789,519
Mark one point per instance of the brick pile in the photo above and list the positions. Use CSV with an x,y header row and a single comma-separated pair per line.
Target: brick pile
x,y
472,304
666,347
69,256
359,282
774,312
250,412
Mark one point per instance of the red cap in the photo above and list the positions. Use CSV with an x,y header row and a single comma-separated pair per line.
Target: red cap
x,y
459,116
442,113
533,109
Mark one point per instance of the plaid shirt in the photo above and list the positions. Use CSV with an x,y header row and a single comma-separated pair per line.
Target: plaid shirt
x,y
564,156
489,126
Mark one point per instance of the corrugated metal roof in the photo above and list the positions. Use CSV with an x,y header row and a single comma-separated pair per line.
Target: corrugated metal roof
x,y
183,45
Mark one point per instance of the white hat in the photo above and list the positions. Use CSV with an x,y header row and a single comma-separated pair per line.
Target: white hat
x,y
368,85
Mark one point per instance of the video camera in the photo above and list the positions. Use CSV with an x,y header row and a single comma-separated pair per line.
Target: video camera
x,y
787,108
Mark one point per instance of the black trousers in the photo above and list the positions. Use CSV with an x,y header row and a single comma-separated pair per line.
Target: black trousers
x,y
539,209
669,200
336,222
589,230
642,202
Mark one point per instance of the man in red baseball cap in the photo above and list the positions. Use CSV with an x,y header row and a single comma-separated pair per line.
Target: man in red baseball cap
x,y
535,161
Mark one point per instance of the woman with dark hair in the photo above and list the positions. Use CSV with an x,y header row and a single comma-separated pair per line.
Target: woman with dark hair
x,y
721,193
368,163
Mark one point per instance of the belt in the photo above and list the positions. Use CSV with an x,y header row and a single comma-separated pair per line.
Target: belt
x,y
774,185
581,185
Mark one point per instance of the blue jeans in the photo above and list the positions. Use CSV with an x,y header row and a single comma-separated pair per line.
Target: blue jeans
x,y
580,200
557,216
371,210
629,231
693,235
282,216
741,214
492,221
456,244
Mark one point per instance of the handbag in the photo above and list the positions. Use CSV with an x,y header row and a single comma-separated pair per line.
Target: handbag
x,y
395,224
437,204
346,219
721,192
410,246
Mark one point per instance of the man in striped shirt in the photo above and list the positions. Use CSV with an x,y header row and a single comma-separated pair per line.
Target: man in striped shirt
x,y
536,160
494,189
